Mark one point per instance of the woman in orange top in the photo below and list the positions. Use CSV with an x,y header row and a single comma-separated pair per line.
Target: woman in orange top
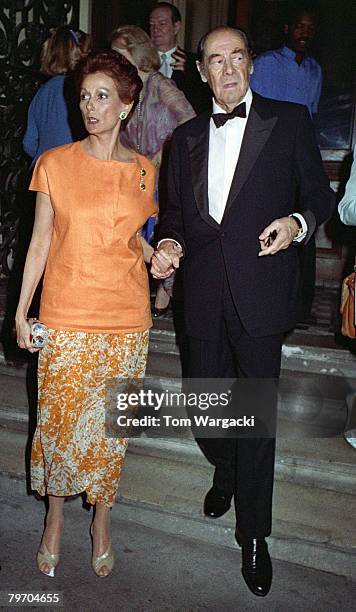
x,y
93,198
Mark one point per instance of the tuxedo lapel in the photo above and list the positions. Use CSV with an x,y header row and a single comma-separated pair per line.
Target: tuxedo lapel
x,y
198,146
258,129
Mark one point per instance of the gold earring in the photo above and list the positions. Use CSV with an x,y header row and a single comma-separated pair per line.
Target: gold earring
x,y
123,115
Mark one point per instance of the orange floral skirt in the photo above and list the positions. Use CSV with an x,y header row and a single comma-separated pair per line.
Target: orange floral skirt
x,y
70,453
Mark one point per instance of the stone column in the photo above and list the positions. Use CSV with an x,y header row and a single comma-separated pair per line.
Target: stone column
x,y
182,7
202,15
85,9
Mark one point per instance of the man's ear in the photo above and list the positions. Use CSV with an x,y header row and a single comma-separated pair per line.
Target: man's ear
x,y
201,70
176,27
286,28
251,67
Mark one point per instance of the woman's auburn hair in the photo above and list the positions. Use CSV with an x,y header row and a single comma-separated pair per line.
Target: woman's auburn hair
x,y
139,44
60,53
123,73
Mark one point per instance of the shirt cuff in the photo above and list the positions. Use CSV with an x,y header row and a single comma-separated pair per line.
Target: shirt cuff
x,y
169,240
303,230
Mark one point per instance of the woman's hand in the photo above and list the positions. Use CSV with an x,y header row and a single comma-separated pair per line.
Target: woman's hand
x,y
23,331
147,250
165,259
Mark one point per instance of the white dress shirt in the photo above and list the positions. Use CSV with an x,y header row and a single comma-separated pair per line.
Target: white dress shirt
x,y
224,150
166,68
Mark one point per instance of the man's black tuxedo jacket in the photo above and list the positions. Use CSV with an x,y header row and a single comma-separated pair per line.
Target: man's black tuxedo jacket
x,y
190,83
279,159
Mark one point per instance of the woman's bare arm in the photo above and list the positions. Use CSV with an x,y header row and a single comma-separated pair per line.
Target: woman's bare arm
x,y
34,267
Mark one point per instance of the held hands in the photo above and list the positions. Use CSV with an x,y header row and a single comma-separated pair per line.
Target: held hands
x,y
165,259
180,60
23,332
277,236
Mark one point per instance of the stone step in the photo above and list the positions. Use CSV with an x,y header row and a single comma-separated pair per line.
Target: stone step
x,y
325,462
312,527
296,355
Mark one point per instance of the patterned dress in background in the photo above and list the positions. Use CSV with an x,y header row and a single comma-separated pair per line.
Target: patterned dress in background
x,y
162,107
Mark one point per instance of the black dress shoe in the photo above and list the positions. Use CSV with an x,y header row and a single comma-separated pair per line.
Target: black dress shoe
x,y
256,564
216,503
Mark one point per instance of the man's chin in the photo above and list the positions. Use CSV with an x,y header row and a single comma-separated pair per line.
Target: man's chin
x,y
300,48
234,98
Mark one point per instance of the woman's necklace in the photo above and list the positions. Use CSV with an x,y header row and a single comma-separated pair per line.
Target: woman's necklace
x,y
139,123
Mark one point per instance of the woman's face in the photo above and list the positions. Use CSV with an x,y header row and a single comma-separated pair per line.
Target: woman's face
x,y
120,46
100,103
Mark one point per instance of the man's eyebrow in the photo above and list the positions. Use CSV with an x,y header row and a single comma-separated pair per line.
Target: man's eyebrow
x,y
236,50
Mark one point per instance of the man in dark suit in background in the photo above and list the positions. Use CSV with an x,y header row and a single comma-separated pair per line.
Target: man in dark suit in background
x,y
177,64
233,177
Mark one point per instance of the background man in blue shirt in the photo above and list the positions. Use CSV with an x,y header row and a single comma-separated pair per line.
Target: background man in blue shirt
x,y
289,73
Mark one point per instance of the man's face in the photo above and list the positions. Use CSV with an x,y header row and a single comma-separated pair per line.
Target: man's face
x,y
226,67
300,33
163,31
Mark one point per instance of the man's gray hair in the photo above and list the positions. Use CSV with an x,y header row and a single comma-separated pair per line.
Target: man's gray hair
x,y
202,42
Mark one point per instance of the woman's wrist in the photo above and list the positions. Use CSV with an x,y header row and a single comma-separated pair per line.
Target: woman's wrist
x,y
20,316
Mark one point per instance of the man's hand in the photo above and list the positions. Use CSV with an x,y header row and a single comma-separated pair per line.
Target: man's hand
x,y
278,236
165,259
180,60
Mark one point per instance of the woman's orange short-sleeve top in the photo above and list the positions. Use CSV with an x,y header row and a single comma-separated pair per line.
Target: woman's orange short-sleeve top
x,y
95,278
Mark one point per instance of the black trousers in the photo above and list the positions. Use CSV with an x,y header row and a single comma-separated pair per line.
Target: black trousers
x,y
244,467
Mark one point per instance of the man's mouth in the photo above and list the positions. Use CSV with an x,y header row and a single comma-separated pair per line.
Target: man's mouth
x,y
92,120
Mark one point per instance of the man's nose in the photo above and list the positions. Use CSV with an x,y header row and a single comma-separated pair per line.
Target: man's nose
x,y
228,67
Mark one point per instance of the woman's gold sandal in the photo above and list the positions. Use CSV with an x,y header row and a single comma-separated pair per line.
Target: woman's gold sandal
x,y
44,557
104,560
107,560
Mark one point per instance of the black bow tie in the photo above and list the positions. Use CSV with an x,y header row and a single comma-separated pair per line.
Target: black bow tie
x,y
221,118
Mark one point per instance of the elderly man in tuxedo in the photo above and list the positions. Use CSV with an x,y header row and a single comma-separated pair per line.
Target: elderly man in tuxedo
x,y
233,180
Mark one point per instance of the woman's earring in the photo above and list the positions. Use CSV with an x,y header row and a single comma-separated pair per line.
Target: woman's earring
x,y
123,115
